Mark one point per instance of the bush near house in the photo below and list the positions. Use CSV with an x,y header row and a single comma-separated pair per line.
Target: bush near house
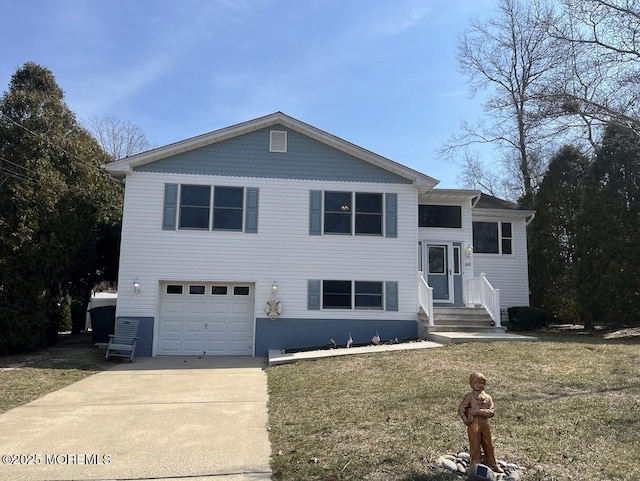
x,y
524,318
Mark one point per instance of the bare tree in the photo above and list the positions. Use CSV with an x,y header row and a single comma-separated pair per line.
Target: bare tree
x,y
512,56
601,84
119,139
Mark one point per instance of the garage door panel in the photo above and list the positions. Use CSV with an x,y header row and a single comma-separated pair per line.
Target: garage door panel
x,y
169,326
196,307
173,307
239,327
207,323
194,345
219,327
219,307
241,309
237,347
194,326
170,346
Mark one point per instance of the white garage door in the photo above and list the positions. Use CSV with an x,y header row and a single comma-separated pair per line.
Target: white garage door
x,y
198,318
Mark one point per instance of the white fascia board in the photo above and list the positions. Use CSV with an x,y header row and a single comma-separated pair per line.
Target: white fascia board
x,y
504,213
450,195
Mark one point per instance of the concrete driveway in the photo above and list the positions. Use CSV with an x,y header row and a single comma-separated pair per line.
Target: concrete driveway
x,y
163,418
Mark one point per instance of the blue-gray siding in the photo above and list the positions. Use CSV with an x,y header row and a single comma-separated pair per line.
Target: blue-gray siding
x,y
144,345
248,156
300,333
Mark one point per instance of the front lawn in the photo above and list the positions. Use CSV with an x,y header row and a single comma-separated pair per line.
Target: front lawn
x,y
25,377
568,407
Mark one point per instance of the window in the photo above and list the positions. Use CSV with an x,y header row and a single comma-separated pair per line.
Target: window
x,y
197,290
352,294
218,290
368,295
437,259
204,207
240,290
507,238
368,214
174,289
338,213
336,294
228,203
456,260
492,238
449,216
194,206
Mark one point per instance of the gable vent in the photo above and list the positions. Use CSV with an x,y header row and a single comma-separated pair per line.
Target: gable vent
x,y
278,141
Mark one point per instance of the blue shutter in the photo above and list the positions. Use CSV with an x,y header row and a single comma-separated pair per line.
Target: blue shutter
x,y
313,295
170,207
391,215
392,295
315,212
251,219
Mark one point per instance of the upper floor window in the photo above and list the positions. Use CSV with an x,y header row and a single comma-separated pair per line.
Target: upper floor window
x,y
340,218
449,216
206,207
228,204
492,237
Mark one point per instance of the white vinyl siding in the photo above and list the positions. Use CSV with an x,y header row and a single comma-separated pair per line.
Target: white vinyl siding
x,y
281,250
509,273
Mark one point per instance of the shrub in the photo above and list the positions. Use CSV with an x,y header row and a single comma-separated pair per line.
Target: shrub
x,y
525,318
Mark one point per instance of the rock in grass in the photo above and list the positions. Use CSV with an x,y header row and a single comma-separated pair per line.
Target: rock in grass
x,y
447,464
464,456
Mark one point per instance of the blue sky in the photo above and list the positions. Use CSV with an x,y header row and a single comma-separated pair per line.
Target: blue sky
x,y
379,73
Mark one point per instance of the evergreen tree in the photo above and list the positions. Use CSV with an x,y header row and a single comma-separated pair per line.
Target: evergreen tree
x,y
54,200
552,234
608,252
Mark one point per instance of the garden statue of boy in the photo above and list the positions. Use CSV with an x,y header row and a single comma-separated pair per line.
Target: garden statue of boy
x,y
475,409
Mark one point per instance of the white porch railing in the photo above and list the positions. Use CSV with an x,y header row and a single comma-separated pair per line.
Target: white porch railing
x,y
425,298
482,293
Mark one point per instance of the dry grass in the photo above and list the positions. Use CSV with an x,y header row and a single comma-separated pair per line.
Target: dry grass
x,y
568,407
26,377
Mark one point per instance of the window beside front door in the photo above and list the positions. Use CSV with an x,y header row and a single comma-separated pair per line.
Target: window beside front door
x,y
493,237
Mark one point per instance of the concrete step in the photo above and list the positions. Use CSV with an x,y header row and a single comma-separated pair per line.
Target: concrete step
x,y
464,327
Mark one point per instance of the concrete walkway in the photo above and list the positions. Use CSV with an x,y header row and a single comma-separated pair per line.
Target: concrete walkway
x,y
163,418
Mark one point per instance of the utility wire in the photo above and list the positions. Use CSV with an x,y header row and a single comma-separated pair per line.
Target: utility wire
x,y
18,165
86,162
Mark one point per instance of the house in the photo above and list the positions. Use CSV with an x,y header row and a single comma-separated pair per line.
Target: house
x,y
273,234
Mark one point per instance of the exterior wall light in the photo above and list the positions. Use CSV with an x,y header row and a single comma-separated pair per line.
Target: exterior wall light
x,y
468,251
274,288
136,286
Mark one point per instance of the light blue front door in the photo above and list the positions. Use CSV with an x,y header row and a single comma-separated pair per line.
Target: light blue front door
x,y
438,269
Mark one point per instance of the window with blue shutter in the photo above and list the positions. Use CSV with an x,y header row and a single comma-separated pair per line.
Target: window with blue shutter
x,y
170,207
251,220
313,295
315,212
392,295
391,215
